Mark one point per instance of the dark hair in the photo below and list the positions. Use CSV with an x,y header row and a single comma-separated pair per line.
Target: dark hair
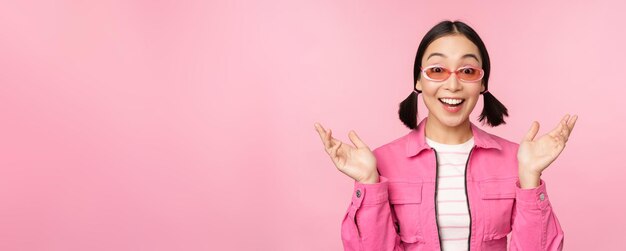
x,y
493,110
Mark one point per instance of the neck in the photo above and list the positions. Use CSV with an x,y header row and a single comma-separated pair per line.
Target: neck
x,y
452,135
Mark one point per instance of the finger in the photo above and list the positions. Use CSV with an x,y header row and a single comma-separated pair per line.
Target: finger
x,y
564,133
534,128
328,144
564,130
333,151
562,138
329,137
336,141
319,128
571,123
322,133
340,144
356,140
333,141
565,118
569,126
558,129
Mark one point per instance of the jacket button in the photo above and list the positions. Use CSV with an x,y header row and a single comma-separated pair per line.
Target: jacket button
x,y
358,193
542,196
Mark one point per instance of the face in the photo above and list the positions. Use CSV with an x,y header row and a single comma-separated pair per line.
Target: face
x,y
452,52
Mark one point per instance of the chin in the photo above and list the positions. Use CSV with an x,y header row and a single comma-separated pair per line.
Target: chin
x,y
454,121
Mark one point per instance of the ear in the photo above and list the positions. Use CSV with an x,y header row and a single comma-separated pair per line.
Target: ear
x,y
483,87
418,85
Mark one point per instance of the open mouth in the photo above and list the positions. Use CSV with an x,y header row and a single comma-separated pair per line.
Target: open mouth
x,y
451,102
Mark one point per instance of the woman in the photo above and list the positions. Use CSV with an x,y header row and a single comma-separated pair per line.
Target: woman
x,y
447,184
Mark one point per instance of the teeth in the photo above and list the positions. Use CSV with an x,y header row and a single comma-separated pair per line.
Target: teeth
x,y
451,101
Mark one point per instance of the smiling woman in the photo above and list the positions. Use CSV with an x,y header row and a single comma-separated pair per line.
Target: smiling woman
x,y
439,91
457,46
447,184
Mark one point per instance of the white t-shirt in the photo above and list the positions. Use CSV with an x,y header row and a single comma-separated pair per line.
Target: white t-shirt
x,y
452,212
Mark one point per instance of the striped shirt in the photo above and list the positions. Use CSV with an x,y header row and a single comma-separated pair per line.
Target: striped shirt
x,y
452,212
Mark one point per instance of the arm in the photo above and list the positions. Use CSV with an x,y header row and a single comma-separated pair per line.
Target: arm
x,y
368,223
535,225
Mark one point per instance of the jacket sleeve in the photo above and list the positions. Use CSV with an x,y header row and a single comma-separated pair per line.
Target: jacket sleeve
x,y
369,221
535,226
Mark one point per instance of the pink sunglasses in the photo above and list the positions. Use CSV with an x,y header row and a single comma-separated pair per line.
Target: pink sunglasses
x,y
466,73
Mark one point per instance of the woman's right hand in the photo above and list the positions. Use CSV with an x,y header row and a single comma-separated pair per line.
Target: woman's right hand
x,y
357,162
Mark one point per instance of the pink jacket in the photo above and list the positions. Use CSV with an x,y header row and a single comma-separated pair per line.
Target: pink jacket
x,y
399,212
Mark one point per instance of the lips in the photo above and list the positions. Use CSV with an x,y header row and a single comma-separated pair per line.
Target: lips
x,y
452,105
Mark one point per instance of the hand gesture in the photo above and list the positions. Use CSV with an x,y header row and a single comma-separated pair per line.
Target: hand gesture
x,y
535,155
357,161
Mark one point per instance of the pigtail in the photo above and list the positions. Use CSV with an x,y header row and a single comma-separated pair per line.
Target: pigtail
x,y
493,110
408,110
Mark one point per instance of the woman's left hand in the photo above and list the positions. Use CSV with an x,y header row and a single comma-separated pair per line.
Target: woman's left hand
x,y
535,155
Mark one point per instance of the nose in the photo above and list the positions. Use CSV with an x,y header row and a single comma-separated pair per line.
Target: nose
x,y
452,83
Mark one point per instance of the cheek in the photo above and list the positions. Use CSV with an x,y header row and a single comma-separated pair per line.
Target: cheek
x,y
429,97
472,104
429,91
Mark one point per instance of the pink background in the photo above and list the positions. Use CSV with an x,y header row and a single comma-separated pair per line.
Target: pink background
x,y
188,125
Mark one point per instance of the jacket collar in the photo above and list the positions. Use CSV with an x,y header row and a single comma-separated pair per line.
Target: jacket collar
x,y
416,141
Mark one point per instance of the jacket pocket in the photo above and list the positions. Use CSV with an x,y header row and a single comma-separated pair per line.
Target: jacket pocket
x,y
406,199
498,198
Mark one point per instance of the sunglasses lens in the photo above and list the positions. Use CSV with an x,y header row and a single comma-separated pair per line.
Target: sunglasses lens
x,y
469,74
437,73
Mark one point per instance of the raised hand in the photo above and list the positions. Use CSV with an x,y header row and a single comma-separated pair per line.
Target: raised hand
x,y
358,161
535,155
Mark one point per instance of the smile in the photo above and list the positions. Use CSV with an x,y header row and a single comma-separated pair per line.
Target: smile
x,y
451,102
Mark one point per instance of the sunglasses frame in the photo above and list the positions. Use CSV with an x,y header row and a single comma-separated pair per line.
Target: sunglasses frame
x,y
423,71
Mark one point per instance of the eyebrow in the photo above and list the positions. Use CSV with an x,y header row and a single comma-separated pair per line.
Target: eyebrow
x,y
469,55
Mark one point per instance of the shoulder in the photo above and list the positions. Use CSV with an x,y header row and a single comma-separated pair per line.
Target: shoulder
x,y
395,147
498,164
392,160
505,143
507,146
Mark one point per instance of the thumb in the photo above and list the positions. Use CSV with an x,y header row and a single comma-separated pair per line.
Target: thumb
x,y
356,140
534,128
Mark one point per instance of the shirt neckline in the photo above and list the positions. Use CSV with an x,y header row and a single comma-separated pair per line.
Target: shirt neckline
x,y
465,145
